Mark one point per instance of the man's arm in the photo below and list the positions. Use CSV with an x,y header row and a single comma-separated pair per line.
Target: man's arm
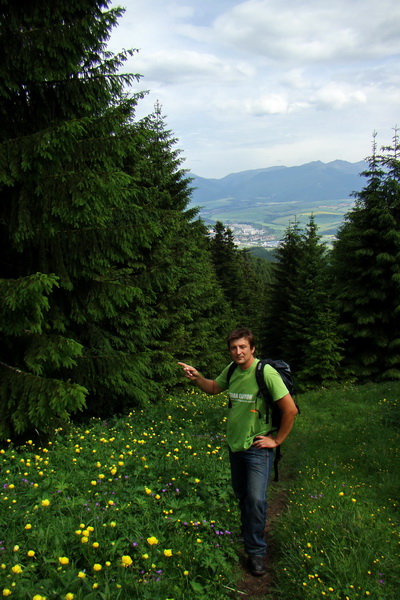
x,y
289,411
208,386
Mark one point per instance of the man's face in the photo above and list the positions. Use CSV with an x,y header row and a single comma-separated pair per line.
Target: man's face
x,y
241,353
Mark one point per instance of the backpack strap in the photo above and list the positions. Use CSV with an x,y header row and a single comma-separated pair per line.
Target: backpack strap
x,y
229,374
262,386
278,456
269,404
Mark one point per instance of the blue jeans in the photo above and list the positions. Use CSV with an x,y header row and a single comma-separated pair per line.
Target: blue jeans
x,y
250,472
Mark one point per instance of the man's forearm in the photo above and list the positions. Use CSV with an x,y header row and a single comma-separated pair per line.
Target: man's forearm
x,y
289,411
207,385
285,428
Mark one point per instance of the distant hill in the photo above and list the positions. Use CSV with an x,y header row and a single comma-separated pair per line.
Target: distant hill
x,y
272,197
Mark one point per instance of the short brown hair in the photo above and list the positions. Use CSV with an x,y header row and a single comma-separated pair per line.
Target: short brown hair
x,y
242,332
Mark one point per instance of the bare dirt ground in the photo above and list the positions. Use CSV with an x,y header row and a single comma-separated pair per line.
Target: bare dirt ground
x,y
257,588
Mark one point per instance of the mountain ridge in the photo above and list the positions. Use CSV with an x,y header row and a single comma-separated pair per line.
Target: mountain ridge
x,y
269,198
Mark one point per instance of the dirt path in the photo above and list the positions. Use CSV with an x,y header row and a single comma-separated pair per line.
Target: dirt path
x,y
253,588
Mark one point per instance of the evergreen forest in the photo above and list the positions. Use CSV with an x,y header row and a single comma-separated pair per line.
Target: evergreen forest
x,y
108,278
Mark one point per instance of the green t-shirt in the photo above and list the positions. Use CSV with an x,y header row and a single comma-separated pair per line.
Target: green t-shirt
x,y
246,418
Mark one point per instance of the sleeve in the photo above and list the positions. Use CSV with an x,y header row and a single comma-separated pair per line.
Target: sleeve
x,y
222,379
274,383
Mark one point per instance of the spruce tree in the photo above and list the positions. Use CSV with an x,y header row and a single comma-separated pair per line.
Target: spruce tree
x,y
255,278
367,269
313,321
226,261
301,327
189,312
277,332
69,221
244,280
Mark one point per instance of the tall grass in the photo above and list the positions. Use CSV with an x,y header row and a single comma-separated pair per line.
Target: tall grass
x,y
134,508
339,538
141,507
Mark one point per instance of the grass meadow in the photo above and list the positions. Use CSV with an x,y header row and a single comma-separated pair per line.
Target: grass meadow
x,y
339,538
277,216
141,506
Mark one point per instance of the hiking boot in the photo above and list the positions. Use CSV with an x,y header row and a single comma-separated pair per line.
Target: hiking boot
x,y
256,565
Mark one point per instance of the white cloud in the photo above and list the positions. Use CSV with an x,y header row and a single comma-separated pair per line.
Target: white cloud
x,y
177,66
313,31
294,78
271,104
337,97
262,82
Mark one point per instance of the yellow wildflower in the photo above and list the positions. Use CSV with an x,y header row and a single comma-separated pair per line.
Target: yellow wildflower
x,y
16,569
152,541
126,561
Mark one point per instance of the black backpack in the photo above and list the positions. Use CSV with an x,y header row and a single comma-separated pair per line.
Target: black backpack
x,y
276,414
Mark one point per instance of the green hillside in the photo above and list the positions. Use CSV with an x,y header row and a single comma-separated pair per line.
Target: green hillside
x,y
270,198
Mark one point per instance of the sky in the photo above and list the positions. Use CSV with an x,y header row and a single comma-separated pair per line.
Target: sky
x,y
259,83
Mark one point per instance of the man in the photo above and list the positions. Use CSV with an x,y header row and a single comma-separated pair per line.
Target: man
x,y
250,449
